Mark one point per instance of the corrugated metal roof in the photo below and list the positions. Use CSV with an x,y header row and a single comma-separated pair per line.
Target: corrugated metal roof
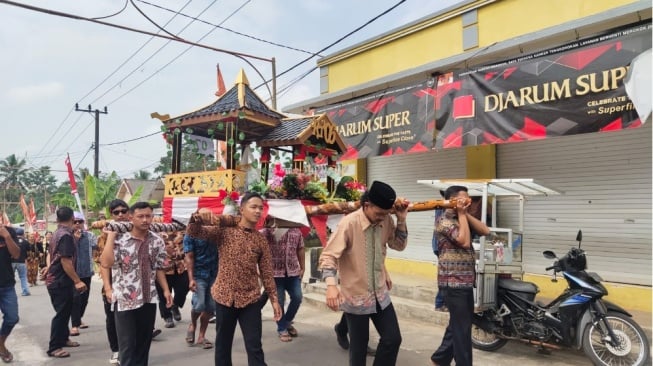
x,y
496,187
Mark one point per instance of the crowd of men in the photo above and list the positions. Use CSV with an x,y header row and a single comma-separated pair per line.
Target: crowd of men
x,y
224,260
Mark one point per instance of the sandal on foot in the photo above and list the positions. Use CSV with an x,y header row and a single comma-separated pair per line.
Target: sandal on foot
x,y
292,331
83,326
59,353
285,336
190,338
206,344
70,343
6,356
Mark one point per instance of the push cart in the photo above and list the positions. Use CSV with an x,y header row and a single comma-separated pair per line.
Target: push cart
x,y
500,253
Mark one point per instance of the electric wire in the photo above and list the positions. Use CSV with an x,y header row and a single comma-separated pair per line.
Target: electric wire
x,y
65,134
114,14
127,60
130,140
83,157
179,55
57,129
336,42
230,30
76,137
152,21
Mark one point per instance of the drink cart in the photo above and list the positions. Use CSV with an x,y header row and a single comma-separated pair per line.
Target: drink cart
x,y
499,253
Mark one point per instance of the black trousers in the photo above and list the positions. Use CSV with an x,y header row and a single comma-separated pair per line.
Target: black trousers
x,y
457,341
249,319
134,329
110,323
80,300
62,302
385,322
178,285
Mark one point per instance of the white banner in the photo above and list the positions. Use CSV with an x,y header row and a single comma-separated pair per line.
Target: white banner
x,y
205,145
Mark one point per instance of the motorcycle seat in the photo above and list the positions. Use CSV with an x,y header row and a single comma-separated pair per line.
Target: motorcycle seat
x,y
519,286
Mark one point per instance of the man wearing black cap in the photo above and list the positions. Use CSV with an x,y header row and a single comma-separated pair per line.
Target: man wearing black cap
x,y
357,248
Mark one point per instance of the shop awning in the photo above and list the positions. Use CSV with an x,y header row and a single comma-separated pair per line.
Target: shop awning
x,y
496,187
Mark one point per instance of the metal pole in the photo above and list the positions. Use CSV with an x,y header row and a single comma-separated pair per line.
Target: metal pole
x,y
96,169
274,83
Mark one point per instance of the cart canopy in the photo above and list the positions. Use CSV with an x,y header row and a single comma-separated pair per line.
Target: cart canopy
x,y
496,187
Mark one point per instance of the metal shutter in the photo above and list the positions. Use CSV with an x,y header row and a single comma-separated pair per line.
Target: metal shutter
x,y
606,180
402,173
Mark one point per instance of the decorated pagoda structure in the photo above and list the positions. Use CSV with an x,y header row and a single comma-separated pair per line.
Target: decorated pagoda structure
x,y
238,118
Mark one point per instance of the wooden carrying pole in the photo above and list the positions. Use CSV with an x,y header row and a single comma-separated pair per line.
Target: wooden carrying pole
x,y
339,208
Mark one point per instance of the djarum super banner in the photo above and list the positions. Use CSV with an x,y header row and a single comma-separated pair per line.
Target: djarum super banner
x,y
570,89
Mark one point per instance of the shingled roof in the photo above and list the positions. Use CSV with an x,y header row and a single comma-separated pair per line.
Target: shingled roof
x,y
301,131
288,130
232,101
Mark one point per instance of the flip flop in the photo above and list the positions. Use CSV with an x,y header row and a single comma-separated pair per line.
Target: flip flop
x,y
292,331
70,343
83,326
206,344
284,336
6,356
190,338
59,353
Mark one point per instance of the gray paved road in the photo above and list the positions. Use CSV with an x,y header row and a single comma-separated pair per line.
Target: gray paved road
x,y
316,345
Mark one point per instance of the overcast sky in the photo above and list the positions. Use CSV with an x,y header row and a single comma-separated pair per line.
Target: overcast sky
x,y
49,63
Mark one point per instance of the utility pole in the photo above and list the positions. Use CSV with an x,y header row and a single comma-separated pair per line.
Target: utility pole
x,y
97,134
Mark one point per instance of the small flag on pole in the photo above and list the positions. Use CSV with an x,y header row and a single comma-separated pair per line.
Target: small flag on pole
x,y
221,88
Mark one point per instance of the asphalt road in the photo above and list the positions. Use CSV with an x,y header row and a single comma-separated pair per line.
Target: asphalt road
x,y
315,346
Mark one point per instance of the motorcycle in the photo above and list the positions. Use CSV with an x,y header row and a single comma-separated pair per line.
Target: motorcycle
x,y
578,318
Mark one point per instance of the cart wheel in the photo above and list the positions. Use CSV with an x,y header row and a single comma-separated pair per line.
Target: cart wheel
x,y
486,341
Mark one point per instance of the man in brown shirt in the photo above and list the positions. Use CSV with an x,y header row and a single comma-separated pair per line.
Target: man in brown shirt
x,y
242,250
357,248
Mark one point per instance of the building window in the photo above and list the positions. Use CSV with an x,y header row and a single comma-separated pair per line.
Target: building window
x,y
470,29
324,79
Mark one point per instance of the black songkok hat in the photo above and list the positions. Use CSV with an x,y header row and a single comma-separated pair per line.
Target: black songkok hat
x,y
382,195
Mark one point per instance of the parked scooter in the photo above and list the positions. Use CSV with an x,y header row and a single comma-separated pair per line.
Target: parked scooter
x,y
578,318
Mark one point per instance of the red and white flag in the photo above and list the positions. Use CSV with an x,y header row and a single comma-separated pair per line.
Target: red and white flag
x,y
73,184
25,209
5,219
32,212
71,176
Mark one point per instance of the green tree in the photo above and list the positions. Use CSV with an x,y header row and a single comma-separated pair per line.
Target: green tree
x,y
100,191
13,173
190,162
142,175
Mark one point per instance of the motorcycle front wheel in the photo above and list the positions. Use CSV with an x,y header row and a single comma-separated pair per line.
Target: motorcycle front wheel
x,y
486,341
632,347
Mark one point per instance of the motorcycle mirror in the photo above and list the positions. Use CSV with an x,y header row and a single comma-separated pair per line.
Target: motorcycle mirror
x,y
549,254
579,237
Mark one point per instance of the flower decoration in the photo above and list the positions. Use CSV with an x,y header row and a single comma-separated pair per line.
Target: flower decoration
x,y
228,198
350,189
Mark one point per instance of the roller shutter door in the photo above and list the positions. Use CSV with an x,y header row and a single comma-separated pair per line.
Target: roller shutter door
x,y
402,173
606,179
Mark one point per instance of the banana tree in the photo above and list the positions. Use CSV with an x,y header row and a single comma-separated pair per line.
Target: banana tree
x,y
100,191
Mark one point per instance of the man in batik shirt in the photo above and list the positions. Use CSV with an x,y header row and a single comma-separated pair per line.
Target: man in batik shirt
x,y
137,258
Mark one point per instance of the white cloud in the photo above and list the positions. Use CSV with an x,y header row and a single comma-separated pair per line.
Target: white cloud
x,y
33,93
